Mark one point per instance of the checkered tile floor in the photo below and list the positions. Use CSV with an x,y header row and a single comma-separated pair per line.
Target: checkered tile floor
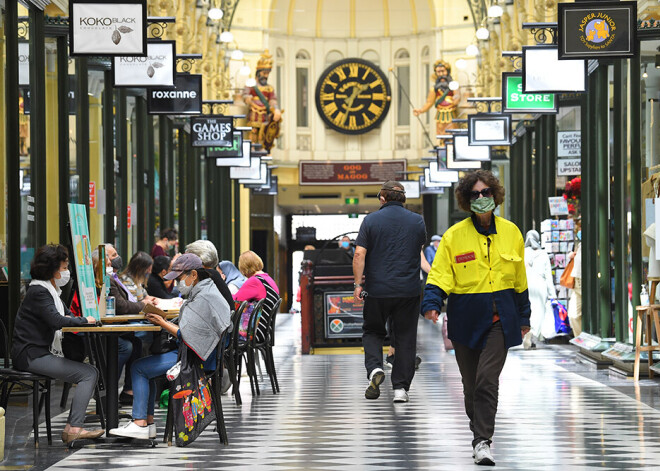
x,y
552,415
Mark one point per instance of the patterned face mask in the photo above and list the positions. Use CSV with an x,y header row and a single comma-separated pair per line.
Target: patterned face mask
x,y
482,205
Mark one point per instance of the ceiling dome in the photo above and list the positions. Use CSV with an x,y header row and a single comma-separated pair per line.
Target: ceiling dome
x,y
351,18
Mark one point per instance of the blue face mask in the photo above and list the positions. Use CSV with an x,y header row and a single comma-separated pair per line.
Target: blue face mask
x,y
579,235
345,244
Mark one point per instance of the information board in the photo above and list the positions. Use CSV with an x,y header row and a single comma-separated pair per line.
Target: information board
x,y
343,315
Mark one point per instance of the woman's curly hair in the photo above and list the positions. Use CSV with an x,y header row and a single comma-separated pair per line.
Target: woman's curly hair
x,y
465,185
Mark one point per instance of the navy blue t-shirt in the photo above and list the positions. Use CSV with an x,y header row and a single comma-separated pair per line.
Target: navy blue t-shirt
x,y
393,237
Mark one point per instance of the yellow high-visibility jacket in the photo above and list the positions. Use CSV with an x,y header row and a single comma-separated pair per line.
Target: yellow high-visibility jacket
x,y
480,272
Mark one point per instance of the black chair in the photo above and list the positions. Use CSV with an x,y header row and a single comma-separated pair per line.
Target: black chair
x,y
230,353
266,347
216,385
40,385
245,351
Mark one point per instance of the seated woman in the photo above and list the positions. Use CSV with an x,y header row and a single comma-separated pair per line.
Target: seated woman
x,y
259,285
232,276
204,311
136,274
37,345
156,285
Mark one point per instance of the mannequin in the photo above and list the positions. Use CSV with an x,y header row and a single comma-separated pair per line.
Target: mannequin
x,y
541,290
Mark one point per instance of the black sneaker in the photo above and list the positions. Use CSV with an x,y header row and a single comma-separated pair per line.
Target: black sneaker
x,y
125,399
418,360
373,390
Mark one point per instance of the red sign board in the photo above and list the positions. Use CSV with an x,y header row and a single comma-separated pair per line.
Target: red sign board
x,y
92,195
128,216
361,172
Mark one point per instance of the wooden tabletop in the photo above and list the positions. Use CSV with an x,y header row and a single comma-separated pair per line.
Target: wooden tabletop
x,y
131,318
114,328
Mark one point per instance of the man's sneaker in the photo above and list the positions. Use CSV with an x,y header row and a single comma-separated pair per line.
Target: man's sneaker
x,y
400,395
418,360
375,379
389,361
131,430
482,454
152,431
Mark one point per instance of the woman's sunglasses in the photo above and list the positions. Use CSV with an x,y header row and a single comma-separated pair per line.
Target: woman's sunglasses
x,y
486,193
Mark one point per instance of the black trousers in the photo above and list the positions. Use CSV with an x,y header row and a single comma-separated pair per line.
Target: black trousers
x,y
404,314
480,371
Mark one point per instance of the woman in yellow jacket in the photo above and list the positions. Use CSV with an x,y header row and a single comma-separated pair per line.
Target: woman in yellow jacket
x,y
479,270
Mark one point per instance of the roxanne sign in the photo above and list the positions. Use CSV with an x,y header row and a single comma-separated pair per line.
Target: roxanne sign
x,y
108,29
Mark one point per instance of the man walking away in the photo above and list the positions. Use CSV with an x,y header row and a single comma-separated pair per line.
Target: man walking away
x,y
387,252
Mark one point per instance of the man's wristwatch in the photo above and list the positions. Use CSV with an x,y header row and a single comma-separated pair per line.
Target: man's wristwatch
x,y
356,285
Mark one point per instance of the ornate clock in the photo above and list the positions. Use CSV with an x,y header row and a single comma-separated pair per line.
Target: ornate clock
x,y
353,96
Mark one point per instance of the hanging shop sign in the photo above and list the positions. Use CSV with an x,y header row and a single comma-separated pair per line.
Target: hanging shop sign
x,y
230,152
23,63
569,144
261,180
592,30
216,131
270,190
253,172
350,173
184,98
343,315
428,188
241,161
544,72
489,129
108,28
82,256
412,188
71,97
567,167
156,69
435,174
464,151
558,206
515,101
460,165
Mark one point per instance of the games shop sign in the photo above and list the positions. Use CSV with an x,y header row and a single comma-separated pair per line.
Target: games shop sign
x,y
212,132
591,30
112,28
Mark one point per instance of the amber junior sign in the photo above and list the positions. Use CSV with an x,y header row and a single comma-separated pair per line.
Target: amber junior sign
x,y
351,172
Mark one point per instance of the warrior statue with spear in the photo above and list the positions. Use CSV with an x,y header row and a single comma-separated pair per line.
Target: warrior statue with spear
x,y
444,96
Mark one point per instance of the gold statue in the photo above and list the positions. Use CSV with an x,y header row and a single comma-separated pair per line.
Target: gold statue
x,y
442,97
263,115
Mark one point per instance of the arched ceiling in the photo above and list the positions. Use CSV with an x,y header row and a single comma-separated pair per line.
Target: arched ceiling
x,y
351,18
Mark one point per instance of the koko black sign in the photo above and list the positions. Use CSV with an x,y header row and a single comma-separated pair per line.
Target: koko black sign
x,y
184,98
212,131
591,30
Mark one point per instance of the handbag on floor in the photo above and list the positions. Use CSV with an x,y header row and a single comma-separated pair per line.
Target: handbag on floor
x,y
192,402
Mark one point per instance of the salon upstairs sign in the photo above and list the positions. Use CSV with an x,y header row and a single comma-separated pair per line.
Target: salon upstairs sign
x,y
108,28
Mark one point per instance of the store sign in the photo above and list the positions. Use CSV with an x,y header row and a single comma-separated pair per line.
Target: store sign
x,y
184,98
82,257
212,132
253,172
233,151
558,206
108,28
350,173
241,161
129,216
489,129
71,97
592,30
567,167
569,144
515,101
92,195
343,315
156,69
23,63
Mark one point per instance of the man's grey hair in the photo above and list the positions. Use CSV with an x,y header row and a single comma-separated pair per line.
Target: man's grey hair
x,y
205,250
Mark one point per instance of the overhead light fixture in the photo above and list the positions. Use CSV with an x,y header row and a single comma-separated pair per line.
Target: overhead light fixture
x,y
250,82
495,11
461,64
645,74
453,85
472,50
245,70
215,13
483,33
237,55
226,36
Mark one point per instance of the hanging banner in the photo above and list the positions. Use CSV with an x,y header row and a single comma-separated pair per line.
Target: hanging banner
x,y
216,131
23,63
233,151
593,30
82,259
108,28
184,98
157,69
350,173
569,144
515,101
566,167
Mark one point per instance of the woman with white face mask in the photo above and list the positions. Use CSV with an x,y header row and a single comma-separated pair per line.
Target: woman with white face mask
x,y
37,345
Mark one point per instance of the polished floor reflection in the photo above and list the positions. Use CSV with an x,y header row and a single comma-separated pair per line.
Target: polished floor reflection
x,y
553,414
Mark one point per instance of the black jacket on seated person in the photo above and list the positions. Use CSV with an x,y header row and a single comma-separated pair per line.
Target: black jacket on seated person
x,y
222,287
122,305
35,325
156,288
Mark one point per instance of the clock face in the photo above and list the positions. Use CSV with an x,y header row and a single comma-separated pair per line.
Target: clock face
x,y
353,96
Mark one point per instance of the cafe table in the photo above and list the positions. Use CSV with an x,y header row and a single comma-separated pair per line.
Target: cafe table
x,y
111,334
